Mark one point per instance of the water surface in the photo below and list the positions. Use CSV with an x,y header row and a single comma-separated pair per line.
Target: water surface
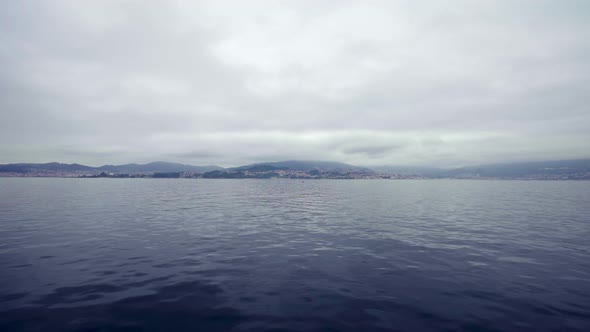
x,y
287,255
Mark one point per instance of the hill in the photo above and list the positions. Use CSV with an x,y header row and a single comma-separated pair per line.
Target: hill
x,y
51,167
60,169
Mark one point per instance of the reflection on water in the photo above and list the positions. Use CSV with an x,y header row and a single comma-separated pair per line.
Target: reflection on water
x,y
327,255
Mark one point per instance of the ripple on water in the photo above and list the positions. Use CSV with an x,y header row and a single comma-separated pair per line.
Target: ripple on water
x,y
102,255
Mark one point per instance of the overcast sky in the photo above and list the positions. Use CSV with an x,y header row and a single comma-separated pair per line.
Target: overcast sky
x,y
442,83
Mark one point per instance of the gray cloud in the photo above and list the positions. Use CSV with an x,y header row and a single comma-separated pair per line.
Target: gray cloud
x,y
378,82
369,150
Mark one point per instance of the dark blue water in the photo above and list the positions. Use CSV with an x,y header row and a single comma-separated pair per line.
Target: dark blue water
x,y
286,255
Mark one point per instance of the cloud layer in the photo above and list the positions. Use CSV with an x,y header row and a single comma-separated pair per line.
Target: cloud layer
x,y
370,83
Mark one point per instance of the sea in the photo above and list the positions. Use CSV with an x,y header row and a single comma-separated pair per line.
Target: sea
x,y
293,255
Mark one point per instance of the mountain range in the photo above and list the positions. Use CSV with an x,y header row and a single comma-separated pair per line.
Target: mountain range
x,y
577,169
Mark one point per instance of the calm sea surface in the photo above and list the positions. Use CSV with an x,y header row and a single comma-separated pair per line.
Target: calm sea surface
x,y
287,255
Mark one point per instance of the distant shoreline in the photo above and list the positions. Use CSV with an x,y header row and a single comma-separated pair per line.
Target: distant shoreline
x,y
295,179
568,170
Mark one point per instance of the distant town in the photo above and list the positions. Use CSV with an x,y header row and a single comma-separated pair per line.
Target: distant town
x,y
293,169
285,174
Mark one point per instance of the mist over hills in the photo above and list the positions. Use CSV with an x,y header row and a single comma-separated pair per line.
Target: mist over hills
x,y
560,169
554,169
410,170
305,165
523,169
158,166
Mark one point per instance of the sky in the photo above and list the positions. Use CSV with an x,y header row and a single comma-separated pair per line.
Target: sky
x,y
430,83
